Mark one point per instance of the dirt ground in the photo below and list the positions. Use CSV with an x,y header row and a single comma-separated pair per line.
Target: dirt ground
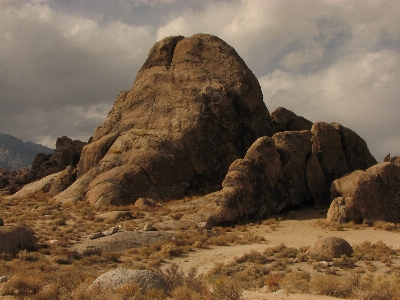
x,y
303,230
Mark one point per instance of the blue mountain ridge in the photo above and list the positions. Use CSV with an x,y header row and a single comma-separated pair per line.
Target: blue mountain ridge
x,y
16,154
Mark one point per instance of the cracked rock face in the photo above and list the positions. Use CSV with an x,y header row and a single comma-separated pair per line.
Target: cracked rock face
x,y
194,108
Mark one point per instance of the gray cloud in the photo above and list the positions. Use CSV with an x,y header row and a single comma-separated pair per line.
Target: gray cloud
x,y
64,62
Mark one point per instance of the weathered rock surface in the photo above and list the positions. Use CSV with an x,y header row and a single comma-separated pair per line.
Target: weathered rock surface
x,y
193,109
115,215
52,184
290,168
339,151
286,120
123,240
329,248
144,203
1,222
367,196
67,153
269,178
145,279
395,160
14,239
12,180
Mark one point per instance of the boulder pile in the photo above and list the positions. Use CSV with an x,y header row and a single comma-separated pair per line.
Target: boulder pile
x,y
367,196
194,108
195,118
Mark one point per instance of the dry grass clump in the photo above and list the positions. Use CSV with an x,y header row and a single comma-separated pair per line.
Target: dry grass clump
x,y
375,252
386,226
195,287
378,287
296,282
332,285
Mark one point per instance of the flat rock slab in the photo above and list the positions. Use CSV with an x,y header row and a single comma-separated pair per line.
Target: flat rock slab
x,y
122,241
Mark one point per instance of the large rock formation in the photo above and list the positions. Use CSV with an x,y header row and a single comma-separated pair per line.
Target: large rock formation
x,y
52,184
367,196
193,109
67,153
290,168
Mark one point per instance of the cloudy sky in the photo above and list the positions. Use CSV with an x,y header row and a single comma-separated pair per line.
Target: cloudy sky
x,y
63,62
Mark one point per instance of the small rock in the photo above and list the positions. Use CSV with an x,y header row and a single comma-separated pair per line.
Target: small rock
x,y
3,279
111,231
115,215
52,242
144,203
204,225
96,235
149,227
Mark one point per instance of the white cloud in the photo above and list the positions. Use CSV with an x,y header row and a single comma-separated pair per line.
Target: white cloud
x,y
64,62
360,91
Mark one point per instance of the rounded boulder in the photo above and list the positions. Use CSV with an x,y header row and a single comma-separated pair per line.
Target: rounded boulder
x,y
329,248
145,279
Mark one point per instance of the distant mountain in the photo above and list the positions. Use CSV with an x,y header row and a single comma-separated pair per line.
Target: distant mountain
x,y
16,154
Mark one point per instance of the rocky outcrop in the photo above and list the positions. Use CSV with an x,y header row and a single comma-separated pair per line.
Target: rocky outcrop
x,y
394,160
367,196
51,184
12,180
123,240
194,108
145,279
14,239
336,150
286,120
269,178
67,153
329,248
291,168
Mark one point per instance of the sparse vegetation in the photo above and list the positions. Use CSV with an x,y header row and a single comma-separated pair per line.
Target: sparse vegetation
x,y
55,271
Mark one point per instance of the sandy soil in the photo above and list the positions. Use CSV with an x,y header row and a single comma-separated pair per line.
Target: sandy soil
x,y
304,230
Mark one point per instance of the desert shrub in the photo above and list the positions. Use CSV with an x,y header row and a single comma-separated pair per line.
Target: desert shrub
x,y
379,287
252,276
184,292
378,251
171,250
253,257
386,226
62,260
296,282
22,285
227,288
173,276
152,294
273,281
127,291
331,285
28,256
281,251
344,262
111,257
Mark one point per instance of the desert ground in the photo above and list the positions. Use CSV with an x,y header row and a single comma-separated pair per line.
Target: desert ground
x,y
63,230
